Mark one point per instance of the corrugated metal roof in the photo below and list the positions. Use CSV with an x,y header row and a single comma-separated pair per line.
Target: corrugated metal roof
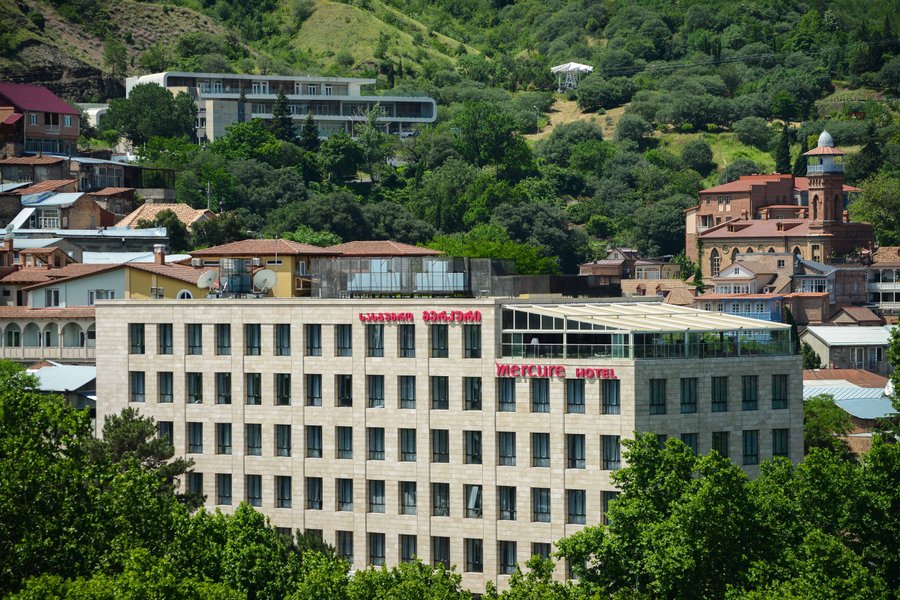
x,y
118,258
851,336
867,408
28,243
841,391
15,185
21,218
43,199
64,378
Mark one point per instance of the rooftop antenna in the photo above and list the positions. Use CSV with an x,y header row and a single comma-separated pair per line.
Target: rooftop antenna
x,y
264,280
206,279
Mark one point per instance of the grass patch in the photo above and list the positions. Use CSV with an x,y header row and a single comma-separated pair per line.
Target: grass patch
x,y
726,148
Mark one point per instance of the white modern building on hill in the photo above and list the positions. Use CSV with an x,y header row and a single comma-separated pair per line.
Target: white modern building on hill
x,y
471,432
337,104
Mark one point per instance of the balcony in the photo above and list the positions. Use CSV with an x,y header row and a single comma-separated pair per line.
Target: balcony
x,y
35,353
833,168
884,286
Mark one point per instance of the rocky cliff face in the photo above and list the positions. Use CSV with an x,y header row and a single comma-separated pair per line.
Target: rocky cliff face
x,y
68,77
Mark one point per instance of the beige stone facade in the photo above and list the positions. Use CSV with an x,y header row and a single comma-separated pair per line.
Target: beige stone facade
x,y
566,349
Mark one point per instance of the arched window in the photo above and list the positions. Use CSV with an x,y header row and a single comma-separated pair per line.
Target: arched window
x,y
715,262
797,252
749,250
771,250
815,208
184,295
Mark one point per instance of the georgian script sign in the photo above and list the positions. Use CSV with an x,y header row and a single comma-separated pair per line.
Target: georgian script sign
x,y
505,370
387,317
429,316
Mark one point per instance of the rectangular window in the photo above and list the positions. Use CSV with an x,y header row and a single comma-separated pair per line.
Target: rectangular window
x,y
195,438
575,396
474,559
688,395
194,388
611,454
407,340
254,490
607,497
223,339
611,397
313,340
439,340
440,499
719,394
720,442
751,447
223,488
344,492
506,448
344,437
136,338
343,545
577,506
575,451
375,339
407,445
164,337
540,395
253,382
472,389
440,392
51,297
223,438
540,449
375,385
657,396
254,439
407,497
283,440
690,440
408,550
223,388
313,441
314,493
749,392
314,389
506,503
137,386
282,339
194,335
283,491
473,501
67,121
407,385
343,339
472,444
780,442
440,551
472,341
195,483
440,445
540,505
376,442
779,391
376,496
165,430
166,383
507,557
282,389
541,549
344,390
506,394
252,339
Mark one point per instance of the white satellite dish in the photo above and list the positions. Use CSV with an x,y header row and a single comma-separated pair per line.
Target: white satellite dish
x,y
264,280
206,279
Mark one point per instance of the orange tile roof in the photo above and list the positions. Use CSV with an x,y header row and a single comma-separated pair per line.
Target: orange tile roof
x,y
172,271
45,186
886,256
825,151
26,276
744,183
24,312
148,211
32,160
67,273
381,248
263,248
758,229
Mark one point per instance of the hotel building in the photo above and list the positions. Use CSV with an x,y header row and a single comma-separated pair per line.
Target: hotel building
x,y
474,432
336,104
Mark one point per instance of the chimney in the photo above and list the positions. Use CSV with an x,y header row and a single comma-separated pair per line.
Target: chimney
x,y
744,214
159,254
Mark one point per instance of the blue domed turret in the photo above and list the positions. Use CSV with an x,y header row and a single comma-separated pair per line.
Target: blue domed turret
x,y
825,140
825,158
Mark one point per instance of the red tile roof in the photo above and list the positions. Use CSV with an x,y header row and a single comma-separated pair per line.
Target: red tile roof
x,y
263,248
24,312
40,277
744,183
13,118
825,151
172,271
32,160
773,228
50,185
34,97
381,248
184,212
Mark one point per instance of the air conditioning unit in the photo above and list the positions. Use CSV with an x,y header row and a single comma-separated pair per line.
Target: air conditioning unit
x,y
196,262
157,293
255,262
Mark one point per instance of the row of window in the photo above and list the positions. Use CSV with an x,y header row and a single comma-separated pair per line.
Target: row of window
x,y
439,336
407,501
719,397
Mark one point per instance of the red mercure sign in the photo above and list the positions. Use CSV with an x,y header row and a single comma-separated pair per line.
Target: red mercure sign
x,y
553,371
429,316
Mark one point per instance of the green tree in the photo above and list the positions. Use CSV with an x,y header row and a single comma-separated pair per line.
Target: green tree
x,y
407,581
282,126
811,358
879,204
151,111
484,132
493,241
893,355
557,147
442,201
632,127
156,58
799,169
115,57
753,131
177,232
740,167
783,151
340,157
823,422
309,135
307,235
376,145
224,228
250,139
697,155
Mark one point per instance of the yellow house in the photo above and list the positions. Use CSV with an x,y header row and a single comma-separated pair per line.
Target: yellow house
x,y
237,262
150,281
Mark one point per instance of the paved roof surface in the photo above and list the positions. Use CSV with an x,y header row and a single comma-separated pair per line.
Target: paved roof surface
x,y
62,199
867,408
381,248
35,97
264,248
117,258
6,188
148,211
836,335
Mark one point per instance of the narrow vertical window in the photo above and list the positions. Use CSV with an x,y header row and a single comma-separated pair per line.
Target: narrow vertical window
x,y
506,448
283,492
440,446
223,438
282,389
611,453
657,396
194,335
376,442
407,385
194,388
779,391
375,340
408,498
719,395
136,338
223,339
540,449
137,386
314,493
252,339
540,505
577,506
223,488
440,499
540,395
611,399
439,341
506,503
751,447
343,337
223,388
407,339
344,390
472,443
780,442
313,340
474,557
690,440
282,339
314,389
166,383
575,451
575,396
254,439
507,557
506,394
407,445
254,490
472,341
283,440
749,392
253,383
344,492
440,392
472,388
375,383
376,495
344,437
473,501
720,442
313,441
164,337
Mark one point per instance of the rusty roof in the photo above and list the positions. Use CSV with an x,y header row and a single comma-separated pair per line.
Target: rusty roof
x,y
32,160
263,248
112,191
381,248
859,377
51,185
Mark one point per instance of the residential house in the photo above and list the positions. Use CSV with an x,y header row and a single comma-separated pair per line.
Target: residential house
x,y
34,119
656,269
33,169
94,174
883,282
850,347
117,200
856,316
29,335
50,210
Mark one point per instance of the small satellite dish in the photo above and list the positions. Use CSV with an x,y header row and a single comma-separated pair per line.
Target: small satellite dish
x,y
264,280
206,279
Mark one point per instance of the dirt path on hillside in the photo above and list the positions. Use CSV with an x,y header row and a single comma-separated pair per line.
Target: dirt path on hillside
x,y
567,111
